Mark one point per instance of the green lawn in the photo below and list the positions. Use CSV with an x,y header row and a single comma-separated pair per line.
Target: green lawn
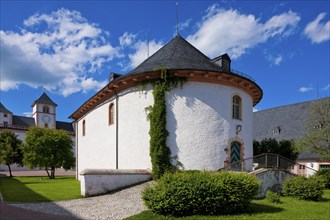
x,y
39,189
290,208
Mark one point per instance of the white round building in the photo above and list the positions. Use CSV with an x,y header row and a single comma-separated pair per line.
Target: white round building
x,y
209,117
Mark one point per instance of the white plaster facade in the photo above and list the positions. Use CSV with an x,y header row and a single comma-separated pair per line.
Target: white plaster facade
x,y
199,120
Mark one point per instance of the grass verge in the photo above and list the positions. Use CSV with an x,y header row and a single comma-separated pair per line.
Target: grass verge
x,y
39,189
289,208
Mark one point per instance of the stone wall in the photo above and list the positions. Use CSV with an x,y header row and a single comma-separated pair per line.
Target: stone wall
x,y
271,179
101,181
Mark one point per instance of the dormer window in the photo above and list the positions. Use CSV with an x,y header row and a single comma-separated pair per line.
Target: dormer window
x,y
223,62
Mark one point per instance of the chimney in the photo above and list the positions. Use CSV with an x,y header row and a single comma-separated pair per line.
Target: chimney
x,y
223,61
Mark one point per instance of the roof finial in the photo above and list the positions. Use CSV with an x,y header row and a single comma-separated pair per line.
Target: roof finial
x,y
177,18
44,89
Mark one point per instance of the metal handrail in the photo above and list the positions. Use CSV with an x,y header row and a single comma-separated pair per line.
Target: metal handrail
x,y
266,160
236,72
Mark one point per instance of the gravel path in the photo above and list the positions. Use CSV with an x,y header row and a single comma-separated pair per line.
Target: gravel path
x,y
113,206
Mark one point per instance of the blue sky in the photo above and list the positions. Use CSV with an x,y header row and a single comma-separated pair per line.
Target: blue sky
x,y
71,47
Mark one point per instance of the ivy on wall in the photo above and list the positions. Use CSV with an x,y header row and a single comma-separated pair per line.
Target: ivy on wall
x,y
160,153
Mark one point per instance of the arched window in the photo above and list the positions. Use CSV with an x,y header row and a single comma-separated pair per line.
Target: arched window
x,y
45,109
237,105
111,114
84,128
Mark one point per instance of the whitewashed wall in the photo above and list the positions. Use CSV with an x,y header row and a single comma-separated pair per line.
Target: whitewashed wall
x,y
134,129
199,119
97,149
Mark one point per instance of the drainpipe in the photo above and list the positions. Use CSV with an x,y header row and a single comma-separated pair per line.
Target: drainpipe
x,y
76,146
116,126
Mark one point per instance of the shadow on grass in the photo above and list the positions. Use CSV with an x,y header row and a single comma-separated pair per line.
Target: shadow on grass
x,y
252,210
16,193
255,208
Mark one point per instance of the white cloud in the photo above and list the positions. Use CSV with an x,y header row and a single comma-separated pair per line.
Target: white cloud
x,y
60,56
28,114
316,31
326,88
184,25
305,89
141,51
255,110
126,39
278,60
233,32
274,60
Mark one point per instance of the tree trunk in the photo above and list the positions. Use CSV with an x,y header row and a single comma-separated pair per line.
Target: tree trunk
x,y
9,170
52,175
47,172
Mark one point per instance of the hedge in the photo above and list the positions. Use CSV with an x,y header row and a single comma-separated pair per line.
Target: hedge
x,y
304,188
200,193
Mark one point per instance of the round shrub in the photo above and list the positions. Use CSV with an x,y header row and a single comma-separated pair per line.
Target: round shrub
x,y
200,193
325,175
304,188
273,197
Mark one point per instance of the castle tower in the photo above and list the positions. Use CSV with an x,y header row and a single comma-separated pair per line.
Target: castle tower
x,y
44,112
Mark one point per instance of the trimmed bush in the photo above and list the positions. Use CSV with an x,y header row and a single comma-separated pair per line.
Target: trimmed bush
x,y
304,188
201,193
325,175
273,197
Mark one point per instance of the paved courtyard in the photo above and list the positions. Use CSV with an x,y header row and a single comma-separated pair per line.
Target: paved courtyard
x,y
117,205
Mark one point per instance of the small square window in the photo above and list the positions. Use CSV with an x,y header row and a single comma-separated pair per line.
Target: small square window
x,y
5,115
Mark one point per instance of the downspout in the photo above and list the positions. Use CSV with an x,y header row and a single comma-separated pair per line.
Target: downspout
x,y
76,150
116,126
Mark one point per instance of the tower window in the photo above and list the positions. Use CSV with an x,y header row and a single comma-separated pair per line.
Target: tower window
x,y
5,115
84,128
111,114
237,105
45,109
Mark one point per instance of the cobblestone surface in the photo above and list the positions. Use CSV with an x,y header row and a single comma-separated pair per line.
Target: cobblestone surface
x,y
113,206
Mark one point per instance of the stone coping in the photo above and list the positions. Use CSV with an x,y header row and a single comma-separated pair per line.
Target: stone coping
x,y
115,172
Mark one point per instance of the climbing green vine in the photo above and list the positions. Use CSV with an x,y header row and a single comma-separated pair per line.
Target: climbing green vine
x,y
160,153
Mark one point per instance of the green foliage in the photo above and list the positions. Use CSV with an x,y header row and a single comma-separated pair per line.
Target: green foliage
x,y
39,189
160,153
10,149
325,175
273,197
285,148
48,148
317,131
261,209
200,193
301,187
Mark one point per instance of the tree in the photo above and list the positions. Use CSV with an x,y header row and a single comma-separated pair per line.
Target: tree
x,y
10,149
317,138
285,148
48,148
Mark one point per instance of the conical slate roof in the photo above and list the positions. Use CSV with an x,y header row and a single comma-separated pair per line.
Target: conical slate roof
x,y
178,54
3,109
44,99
